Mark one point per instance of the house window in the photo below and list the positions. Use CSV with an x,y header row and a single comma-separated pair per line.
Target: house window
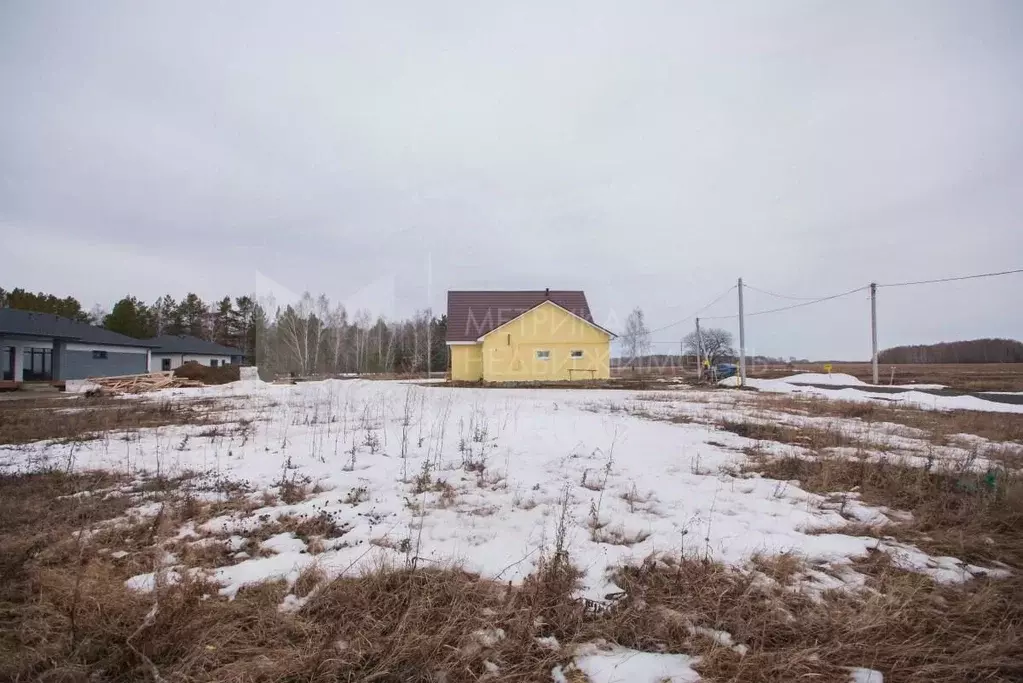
x,y
543,355
99,355
576,353
38,364
213,362
165,364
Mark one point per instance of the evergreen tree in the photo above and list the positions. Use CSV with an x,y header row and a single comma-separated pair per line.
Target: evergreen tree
x,y
68,307
222,320
439,347
191,313
130,317
165,318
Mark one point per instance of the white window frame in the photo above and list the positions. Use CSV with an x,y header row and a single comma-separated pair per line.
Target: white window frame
x,y
576,354
543,354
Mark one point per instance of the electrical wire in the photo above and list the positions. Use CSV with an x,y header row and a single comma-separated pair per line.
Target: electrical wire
x,y
780,296
695,313
787,308
951,279
808,301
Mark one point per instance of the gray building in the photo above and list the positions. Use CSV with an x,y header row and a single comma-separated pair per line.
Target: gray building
x,y
41,347
171,350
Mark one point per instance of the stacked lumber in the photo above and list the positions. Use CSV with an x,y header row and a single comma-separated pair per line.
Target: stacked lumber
x,y
142,383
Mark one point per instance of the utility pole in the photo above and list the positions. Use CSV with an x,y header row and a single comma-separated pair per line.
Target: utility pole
x,y
429,347
873,330
742,341
699,352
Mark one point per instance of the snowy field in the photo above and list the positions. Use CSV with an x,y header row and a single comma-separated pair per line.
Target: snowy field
x,y
845,390
484,477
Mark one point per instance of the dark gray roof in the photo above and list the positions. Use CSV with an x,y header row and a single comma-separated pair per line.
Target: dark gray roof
x,y
183,343
17,323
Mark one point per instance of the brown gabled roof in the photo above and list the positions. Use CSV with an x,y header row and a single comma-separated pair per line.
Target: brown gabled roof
x,y
471,314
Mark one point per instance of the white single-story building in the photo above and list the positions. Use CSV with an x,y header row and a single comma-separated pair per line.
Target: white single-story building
x,y
172,350
42,347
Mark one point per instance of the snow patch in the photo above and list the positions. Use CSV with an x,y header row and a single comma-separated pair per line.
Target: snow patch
x,y
623,665
861,675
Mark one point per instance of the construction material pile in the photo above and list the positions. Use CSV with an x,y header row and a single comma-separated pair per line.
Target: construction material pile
x,y
141,383
206,374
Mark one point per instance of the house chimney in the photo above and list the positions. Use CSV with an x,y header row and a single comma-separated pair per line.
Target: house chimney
x,y
547,293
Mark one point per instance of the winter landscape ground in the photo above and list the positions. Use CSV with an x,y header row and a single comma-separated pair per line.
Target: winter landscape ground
x,y
393,531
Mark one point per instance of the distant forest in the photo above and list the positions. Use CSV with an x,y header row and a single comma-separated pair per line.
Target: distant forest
x,y
973,351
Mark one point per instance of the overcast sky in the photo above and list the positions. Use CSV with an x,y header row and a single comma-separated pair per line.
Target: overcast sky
x,y
647,152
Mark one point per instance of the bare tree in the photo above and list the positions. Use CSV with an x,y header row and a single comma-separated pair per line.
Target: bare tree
x,y
97,313
361,339
636,337
317,324
717,344
336,322
292,334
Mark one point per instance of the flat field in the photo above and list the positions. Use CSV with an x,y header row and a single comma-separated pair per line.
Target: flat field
x,y
390,531
961,376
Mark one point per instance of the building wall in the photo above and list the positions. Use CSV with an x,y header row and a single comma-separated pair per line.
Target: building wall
x,y
176,359
74,360
509,352
466,362
79,363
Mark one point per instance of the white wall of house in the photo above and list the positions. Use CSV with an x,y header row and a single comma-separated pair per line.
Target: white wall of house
x,y
177,359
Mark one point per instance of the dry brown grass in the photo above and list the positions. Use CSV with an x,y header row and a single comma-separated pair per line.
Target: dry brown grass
x,y
939,424
814,438
68,615
84,418
975,516
909,628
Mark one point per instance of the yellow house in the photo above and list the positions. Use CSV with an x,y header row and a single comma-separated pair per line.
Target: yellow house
x,y
525,336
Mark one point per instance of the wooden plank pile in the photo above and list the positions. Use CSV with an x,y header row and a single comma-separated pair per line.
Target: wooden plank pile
x,y
142,383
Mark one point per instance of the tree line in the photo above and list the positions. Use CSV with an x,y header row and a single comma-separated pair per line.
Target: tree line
x,y
972,351
310,336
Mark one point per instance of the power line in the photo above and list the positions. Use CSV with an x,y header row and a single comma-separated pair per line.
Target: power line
x,y
787,308
807,303
951,279
695,313
780,296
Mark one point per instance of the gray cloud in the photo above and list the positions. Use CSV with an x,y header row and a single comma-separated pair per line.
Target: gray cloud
x,y
649,153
